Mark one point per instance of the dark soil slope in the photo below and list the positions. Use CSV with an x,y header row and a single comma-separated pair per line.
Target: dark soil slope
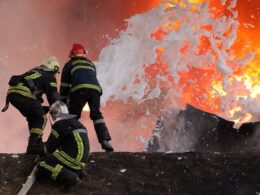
x,y
147,173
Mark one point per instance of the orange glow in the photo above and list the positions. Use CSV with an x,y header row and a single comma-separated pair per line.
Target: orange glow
x,y
197,1
203,87
154,3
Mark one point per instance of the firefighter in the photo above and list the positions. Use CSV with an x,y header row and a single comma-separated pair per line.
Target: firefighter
x,y
25,93
69,137
79,85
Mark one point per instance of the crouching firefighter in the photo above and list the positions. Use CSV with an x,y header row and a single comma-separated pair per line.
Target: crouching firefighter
x,y
69,137
79,84
25,93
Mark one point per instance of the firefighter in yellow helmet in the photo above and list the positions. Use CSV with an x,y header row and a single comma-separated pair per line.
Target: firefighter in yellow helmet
x,y
25,93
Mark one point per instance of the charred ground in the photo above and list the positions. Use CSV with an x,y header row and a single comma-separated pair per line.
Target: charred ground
x,y
147,173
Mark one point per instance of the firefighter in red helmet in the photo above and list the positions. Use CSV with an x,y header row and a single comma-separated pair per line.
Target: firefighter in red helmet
x,y
79,85
77,50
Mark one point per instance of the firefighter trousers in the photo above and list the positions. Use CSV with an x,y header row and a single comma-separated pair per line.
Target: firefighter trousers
x,y
50,167
32,110
77,101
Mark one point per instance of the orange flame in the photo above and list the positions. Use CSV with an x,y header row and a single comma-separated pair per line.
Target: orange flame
x,y
202,88
198,87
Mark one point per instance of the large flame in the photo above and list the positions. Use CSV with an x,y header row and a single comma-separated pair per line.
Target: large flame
x,y
197,52
203,87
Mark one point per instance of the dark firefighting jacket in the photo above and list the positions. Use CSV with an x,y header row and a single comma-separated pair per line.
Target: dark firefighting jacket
x,y
78,73
34,83
70,137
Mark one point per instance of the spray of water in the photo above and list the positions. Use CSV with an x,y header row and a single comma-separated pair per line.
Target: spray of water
x,y
123,62
141,70
190,37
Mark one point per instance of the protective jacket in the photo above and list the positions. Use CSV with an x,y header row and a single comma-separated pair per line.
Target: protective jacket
x,y
70,137
78,73
34,83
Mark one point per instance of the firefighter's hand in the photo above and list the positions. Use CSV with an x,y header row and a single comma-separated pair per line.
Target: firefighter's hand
x,y
64,100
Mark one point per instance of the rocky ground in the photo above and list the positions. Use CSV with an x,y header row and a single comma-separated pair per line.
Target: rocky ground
x,y
146,173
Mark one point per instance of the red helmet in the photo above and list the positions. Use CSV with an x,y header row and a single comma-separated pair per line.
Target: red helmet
x,y
77,50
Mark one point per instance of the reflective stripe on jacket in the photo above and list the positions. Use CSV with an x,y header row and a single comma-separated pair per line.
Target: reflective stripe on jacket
x,y
70,137
35,83
22,90
78,73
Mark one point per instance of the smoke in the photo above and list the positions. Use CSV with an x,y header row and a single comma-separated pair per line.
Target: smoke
x,y
132,93
32,30
136,49
198,40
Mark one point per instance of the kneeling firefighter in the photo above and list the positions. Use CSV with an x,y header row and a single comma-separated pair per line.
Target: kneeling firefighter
x,y
69,136
25,93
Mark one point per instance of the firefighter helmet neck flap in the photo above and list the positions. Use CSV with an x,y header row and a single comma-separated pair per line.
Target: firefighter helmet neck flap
x,y
51,63
77,50
58,109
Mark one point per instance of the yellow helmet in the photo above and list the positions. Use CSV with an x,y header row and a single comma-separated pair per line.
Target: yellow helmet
x,y
52,64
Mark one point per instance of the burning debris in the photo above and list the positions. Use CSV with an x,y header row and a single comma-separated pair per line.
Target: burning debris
x,y
195,130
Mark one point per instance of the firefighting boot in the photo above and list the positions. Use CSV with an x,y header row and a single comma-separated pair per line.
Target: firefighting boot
x,y
106,146
103,136
35,145
82,173
68,179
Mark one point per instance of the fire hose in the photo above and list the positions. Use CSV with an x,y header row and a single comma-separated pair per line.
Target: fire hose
x,y
30,180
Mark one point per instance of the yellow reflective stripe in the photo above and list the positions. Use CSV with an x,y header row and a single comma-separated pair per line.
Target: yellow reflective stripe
x,y
55,133
36,131
48,167
56,171
82,67
53,84
96,87
65,85
82,62
69,158
72,160
22,90
20,86
79,145
64,161
33,76
68,163
22,93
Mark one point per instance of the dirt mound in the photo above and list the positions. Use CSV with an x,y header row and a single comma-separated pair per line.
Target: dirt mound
x,y
147,173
